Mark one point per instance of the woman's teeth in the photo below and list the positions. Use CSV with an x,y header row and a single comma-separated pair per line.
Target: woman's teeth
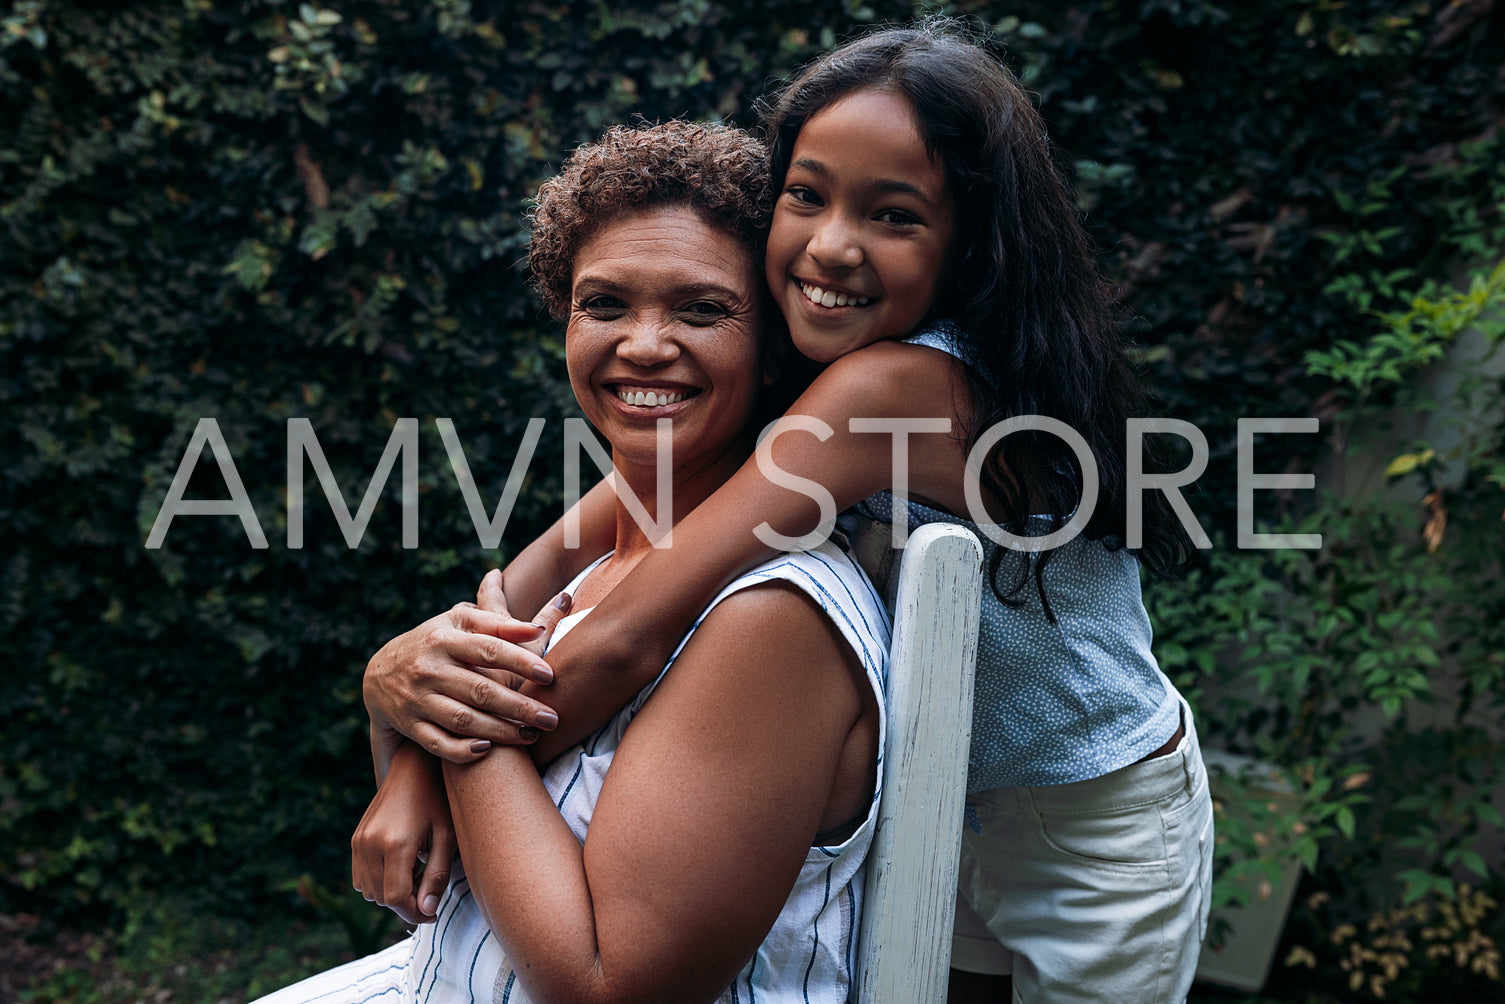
x,y
827,298
648,398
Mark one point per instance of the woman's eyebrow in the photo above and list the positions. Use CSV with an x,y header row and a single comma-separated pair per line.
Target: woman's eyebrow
x,y
602,284
596,282
707,289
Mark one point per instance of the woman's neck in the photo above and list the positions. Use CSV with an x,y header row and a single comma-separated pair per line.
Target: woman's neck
x,y
690,486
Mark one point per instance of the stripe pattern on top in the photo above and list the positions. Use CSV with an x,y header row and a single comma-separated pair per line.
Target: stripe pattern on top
x,y
806,958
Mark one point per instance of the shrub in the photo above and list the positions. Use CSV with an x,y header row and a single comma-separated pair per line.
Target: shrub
x,y
258,211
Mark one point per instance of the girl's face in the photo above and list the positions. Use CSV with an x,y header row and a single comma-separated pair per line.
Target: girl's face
x,y
664,323
861,229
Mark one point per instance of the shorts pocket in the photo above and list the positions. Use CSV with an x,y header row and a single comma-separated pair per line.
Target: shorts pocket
x,y
1097,830
1128,837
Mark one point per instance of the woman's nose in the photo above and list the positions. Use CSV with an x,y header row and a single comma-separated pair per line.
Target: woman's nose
x,y
648,342
835,244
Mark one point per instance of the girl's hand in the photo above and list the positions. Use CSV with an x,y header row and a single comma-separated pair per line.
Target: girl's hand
x,y
408,822
450,684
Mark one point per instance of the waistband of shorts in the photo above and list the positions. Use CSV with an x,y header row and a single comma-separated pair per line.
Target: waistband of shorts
x,y
1137,784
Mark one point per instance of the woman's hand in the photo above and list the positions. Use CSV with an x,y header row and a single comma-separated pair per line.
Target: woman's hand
x,y
450,683
408,822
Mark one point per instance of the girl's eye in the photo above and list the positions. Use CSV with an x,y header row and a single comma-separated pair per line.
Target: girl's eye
x,y
897,217
803,195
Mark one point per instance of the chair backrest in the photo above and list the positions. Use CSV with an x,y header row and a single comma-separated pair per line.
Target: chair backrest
x,y
904,942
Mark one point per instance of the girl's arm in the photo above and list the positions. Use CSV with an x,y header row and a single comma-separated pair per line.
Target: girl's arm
x,y
448,684
700,829
546,566
626,640
408,822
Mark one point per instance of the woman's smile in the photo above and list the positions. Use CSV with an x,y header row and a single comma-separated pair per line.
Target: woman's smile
x,y
651,397
664,323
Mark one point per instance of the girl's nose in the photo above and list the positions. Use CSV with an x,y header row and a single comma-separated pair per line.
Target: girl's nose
x,y
648,342
835,244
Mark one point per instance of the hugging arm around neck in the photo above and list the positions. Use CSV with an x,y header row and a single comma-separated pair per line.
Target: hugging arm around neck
x,y
629,636
546,566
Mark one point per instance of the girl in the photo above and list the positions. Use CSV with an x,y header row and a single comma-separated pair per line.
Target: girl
x,y
924,247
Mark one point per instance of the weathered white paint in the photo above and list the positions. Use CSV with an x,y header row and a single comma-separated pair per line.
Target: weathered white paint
x,y
904,946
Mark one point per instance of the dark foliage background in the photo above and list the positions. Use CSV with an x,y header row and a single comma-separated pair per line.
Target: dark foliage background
x,y
261,210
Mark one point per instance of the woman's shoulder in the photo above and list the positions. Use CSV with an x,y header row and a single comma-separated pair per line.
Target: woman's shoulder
x,y
826,580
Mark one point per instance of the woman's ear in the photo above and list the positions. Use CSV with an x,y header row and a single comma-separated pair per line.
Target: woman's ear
x,y
776,342
775,349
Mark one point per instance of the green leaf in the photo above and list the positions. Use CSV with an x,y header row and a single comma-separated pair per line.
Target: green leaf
x,y
314,109
1344,821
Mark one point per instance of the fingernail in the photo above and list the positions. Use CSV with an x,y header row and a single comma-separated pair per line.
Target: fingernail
x,y
542,673
563,602
480,745
528,732
430,904
546,719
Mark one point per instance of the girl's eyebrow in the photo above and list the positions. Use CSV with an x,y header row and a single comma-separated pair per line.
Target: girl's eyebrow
x,y
885,186
889,185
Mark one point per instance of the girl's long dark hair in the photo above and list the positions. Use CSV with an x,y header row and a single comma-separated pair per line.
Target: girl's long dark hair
x,y
1023,287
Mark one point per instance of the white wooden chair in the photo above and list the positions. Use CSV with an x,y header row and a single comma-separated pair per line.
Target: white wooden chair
x,y
904,943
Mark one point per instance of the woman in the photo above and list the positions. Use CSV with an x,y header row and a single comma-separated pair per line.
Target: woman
x,y
707,844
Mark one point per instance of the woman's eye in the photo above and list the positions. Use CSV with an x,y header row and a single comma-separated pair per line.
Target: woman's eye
x,y
601,304
704,312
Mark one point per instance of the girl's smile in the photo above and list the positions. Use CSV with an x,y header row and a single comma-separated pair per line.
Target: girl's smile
x,y
861,229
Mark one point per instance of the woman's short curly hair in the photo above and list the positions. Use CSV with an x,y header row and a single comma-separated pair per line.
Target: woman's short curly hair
x,y
719,171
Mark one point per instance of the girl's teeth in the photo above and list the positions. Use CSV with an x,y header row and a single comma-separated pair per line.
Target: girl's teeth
x,y
828,298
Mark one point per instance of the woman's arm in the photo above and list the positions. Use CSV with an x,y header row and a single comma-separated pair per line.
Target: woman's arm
x,y
618,650
706,815
449,684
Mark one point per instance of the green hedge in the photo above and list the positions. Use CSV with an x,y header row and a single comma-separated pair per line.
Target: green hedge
x,y
257,211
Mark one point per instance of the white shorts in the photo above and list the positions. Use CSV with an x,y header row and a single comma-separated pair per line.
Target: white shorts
x,y
1092,891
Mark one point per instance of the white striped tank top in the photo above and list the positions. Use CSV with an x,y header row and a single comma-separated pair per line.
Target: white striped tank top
x,y
807,957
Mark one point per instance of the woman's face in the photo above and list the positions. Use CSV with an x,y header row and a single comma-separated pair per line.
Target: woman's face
x,y
665,323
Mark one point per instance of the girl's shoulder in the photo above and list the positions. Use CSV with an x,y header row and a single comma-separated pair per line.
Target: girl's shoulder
x,y
914,377
936,350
